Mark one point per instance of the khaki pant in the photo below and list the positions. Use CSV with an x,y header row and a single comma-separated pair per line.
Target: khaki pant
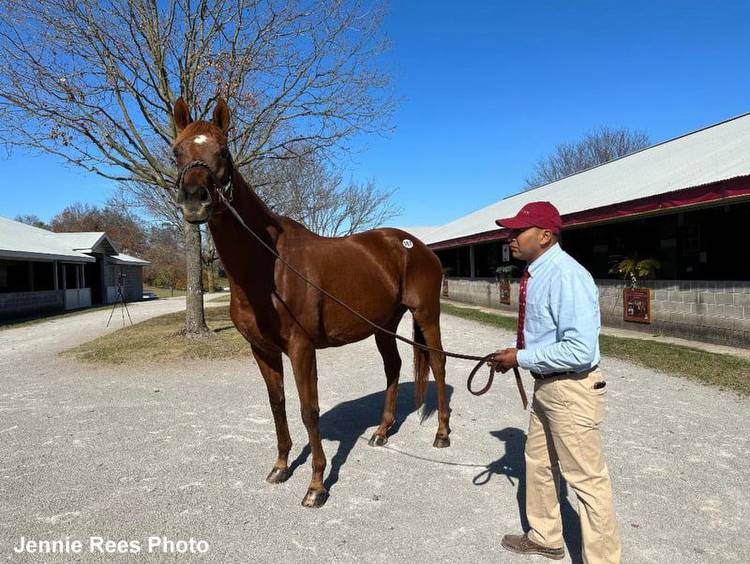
x,y
564,429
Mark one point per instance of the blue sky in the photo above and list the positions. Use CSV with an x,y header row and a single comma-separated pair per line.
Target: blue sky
x,y
488,88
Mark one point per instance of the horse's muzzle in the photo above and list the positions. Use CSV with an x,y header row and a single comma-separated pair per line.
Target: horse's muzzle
x,y
195,203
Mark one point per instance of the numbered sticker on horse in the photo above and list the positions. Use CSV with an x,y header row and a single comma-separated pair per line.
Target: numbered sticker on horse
x,y
407,243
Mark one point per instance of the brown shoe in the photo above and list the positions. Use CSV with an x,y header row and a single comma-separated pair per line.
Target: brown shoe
x,y
523,545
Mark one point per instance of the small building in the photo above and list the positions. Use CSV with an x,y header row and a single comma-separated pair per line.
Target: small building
x,y
684,202
42,271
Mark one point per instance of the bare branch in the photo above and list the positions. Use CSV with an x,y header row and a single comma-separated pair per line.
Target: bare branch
x,y
597,147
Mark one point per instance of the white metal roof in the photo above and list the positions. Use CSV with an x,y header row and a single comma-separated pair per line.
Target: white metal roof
x,y
24,242
717,152
420,232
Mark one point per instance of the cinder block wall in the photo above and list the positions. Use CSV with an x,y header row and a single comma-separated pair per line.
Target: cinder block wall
x,y
710,311
22,304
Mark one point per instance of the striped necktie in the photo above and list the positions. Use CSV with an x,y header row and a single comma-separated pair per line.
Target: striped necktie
x,y
520,342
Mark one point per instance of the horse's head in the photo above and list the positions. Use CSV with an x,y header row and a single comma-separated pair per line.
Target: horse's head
x,y
204,164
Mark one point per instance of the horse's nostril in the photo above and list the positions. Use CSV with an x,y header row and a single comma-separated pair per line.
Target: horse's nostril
x,y
204,195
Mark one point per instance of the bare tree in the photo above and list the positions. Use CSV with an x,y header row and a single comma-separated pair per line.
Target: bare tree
x,y
33,220
597,147
126,229
94,82
166,253
312,192
210,257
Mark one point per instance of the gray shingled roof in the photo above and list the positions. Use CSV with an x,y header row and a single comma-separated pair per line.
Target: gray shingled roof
x,y
24,242
84,241
21,241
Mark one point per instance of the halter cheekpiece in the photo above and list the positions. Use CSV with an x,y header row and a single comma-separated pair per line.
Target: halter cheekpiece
x,y
225,191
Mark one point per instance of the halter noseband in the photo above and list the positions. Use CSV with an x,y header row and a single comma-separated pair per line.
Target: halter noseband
x,y
225,191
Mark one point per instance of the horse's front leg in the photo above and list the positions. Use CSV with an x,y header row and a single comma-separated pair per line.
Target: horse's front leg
x,y
302,355
272,370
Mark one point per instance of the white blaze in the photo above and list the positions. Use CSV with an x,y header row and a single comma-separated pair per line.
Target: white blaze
x,y
200,139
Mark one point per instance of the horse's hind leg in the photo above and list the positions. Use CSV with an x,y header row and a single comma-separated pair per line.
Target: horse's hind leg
x,y
430,326
392,363
272,369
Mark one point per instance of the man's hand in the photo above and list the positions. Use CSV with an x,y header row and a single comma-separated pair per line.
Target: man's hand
x,y
503,360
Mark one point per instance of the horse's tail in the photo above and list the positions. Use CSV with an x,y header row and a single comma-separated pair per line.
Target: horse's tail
x,y
421,367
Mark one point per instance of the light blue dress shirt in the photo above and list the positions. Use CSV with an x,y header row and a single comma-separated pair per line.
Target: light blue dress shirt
x,y
561,327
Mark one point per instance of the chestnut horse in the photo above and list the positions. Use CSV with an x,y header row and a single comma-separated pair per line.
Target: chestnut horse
x,y
380,273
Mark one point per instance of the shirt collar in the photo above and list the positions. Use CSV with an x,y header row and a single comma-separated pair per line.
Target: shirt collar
x,y
544,258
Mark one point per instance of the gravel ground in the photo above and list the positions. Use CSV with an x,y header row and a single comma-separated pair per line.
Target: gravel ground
x,y
181,451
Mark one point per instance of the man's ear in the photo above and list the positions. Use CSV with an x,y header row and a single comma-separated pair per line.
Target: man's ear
x,y
181,115
221,115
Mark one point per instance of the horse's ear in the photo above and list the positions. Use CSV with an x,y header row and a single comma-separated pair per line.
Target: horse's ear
x,y
221,115
181,114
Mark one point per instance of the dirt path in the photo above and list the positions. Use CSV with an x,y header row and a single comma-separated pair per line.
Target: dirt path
x,y
181,451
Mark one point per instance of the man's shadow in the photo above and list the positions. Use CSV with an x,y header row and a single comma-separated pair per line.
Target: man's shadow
x,y
348,421
512,465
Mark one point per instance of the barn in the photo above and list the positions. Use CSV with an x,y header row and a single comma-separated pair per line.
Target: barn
x,y
684,202
43,272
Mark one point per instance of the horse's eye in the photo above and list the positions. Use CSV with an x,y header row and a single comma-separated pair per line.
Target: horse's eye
x,y
224,152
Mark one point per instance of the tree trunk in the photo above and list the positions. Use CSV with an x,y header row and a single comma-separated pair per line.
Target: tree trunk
x,y
210,262
195,321
210,277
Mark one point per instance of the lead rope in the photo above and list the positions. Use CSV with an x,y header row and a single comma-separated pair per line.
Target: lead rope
x,y
481,359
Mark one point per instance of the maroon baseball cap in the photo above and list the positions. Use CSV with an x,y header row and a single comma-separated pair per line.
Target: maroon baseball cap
x,y
534,214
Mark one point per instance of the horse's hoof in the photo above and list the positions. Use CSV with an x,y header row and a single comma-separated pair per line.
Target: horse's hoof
x,y
378,440
315,498
442,442
278,475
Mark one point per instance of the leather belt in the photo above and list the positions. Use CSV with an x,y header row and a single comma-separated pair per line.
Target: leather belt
x,y
538,376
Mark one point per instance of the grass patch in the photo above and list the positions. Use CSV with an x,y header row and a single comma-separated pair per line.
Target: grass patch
x,y
158,340
501,321
163,292
722,370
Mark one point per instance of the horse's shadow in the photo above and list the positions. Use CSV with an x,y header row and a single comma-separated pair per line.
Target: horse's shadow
x,y
512,465
348,421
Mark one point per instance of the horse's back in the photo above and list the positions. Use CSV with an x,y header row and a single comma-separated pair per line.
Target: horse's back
x,y
378,273
420,270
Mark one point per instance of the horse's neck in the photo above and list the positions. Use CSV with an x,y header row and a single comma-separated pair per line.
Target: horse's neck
x,y
242,255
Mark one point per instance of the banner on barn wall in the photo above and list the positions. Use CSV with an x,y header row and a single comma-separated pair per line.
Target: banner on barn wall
x,y
636,303
504,287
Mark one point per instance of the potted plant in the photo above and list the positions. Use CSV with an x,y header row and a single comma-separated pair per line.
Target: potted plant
x,y
636,302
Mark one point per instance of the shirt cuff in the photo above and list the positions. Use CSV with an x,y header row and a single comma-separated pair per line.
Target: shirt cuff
x,y
523,357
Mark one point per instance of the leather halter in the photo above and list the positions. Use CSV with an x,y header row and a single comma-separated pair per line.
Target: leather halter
x,y
226,191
